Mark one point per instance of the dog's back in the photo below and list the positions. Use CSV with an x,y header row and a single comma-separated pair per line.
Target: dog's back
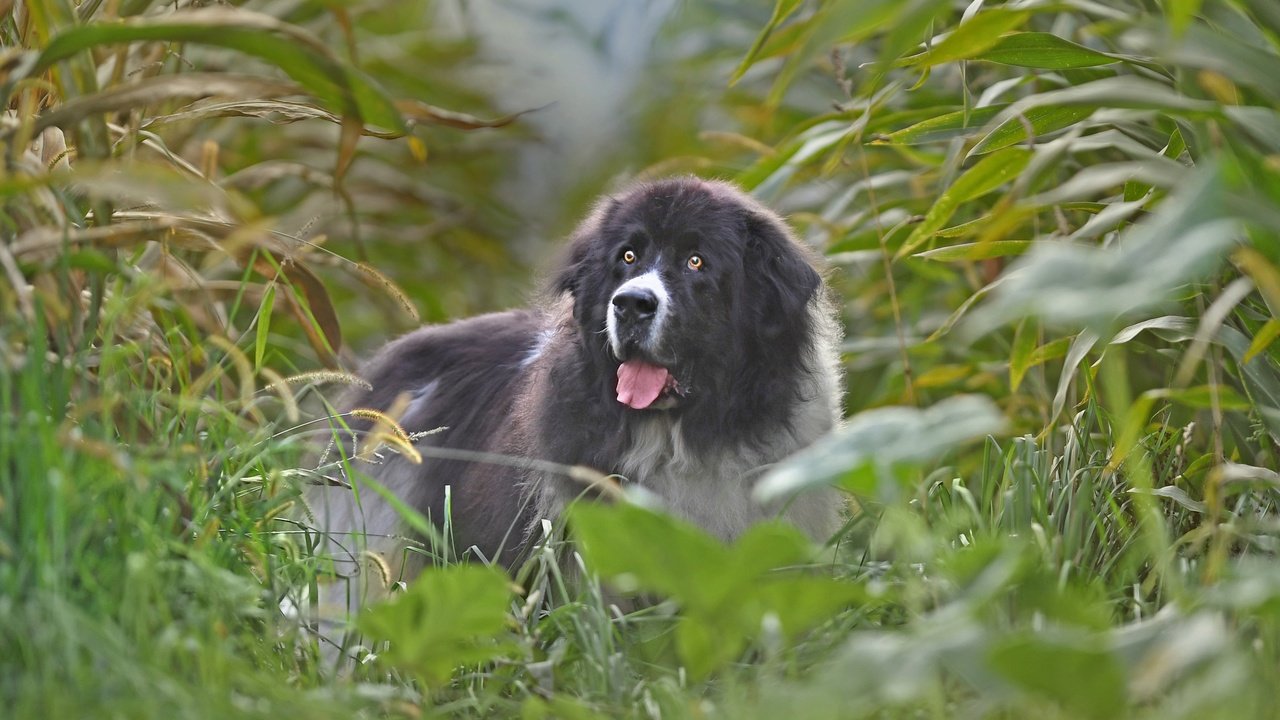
x,y
458,384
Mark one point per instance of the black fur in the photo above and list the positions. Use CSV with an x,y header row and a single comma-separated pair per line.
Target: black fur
x,y
541,383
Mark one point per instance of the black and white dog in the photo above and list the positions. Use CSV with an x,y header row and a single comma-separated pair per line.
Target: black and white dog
x,y
688,343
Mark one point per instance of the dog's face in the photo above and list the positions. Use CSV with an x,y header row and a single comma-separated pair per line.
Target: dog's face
x,y
678,284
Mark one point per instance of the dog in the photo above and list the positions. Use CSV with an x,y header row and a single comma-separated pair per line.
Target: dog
x,y
687,343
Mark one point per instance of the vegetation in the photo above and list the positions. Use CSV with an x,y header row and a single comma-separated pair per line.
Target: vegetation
x,y
1055,230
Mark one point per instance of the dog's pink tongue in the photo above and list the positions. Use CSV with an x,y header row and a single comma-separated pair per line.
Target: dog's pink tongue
x,y
640,383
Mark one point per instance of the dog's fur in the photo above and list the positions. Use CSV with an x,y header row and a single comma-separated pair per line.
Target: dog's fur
x,y
749,339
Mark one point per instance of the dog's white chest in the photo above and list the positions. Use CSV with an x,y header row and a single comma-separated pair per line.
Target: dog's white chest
x,y
713,489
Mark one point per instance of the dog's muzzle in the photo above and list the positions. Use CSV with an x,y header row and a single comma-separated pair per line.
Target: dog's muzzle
x,y
636,314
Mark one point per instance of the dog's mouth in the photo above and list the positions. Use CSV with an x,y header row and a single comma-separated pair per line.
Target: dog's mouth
x,y
645,386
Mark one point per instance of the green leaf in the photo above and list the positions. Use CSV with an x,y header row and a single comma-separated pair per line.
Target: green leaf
x,y
1044,51
708,646
305,58
988,174
723,592
970,38
1035,123
650,551
762,548
802,602
941,127
262,336
880,440
1078,672
447,618
976,250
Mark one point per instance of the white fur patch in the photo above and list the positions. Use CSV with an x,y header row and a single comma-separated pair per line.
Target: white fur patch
x,y
652,282
421,397
539,347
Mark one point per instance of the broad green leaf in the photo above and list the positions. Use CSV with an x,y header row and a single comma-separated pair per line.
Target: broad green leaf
x,y
708,646
988,174
762,548
723,592
942,127
970,38
880,440
1077,671
448,617
1035,123
1044,51
976,251
802,602
654,551
305,58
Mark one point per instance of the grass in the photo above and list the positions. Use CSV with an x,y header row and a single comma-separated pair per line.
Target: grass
x,y
1054,230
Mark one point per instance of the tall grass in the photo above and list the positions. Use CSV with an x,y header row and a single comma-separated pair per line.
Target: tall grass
x,y
188,191
1054,227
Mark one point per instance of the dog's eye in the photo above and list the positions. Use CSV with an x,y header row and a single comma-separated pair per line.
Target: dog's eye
x,y
695,262
629,256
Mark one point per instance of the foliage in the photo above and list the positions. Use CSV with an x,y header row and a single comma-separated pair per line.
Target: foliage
x,y
452,615
725,594
181,190
1054,230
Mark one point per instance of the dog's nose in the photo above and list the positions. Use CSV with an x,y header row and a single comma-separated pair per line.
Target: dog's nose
x,y
635,304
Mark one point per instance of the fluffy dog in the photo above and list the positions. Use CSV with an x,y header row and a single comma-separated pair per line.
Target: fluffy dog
x,y
688,342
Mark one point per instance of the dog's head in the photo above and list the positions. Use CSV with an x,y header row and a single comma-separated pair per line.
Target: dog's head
x,y
687,290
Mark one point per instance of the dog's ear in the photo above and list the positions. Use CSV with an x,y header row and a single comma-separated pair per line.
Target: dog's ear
x,y
569,275
780,271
